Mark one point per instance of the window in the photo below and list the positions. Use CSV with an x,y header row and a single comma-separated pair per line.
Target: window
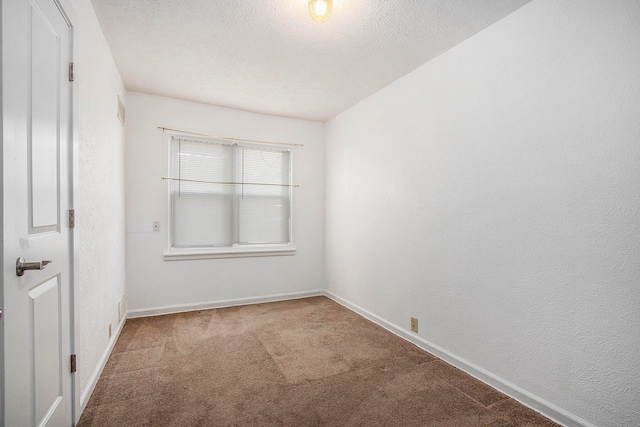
x,y
228,199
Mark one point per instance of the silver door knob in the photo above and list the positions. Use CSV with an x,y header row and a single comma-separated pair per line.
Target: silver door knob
x,y
21,266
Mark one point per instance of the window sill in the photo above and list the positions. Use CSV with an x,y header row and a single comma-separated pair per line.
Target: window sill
x,y
193,254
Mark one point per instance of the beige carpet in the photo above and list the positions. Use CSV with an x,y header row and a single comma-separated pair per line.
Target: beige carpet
x,y
304,362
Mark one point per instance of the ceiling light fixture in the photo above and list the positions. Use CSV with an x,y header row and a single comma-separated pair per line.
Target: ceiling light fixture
x,y
320,10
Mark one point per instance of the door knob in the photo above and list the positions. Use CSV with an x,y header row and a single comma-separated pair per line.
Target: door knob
x,y
21,266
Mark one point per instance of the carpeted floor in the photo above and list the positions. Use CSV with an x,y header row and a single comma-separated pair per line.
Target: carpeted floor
x,y
303,362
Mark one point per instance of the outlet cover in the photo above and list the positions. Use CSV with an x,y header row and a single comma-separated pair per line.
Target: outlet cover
x,y
414,325
121,309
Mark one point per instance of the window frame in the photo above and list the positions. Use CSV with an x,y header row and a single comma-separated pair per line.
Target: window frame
x,y
172,253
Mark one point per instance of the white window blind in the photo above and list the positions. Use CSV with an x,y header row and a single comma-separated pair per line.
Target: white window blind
x,y
228,195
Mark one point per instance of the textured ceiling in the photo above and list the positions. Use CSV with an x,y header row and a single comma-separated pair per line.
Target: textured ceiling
x,y
269,56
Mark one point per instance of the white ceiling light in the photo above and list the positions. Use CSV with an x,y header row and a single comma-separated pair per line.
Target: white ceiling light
x,y
320,10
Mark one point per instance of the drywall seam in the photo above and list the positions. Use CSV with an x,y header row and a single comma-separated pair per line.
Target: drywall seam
x,y
523,396
181,308
93,380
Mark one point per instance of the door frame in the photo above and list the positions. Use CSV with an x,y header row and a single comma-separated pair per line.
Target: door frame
x,y
68,12
67,9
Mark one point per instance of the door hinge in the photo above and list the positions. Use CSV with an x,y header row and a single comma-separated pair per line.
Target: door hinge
x,y
73,363
72,71
72,218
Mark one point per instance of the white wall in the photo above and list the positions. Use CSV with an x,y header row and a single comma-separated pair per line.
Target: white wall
x,y
493,194
153,283
99,195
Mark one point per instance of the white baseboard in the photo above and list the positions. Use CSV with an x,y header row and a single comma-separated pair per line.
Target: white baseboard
x,y
180,308
534,402
86,393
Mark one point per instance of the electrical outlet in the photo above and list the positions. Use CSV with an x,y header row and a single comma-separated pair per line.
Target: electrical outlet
x,y
156,226
110,330
414,325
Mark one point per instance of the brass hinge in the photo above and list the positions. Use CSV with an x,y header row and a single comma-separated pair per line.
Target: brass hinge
x,y
72,71
72,218
73,363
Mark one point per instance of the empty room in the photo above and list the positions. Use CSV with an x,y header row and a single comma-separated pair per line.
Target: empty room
x,y
316,212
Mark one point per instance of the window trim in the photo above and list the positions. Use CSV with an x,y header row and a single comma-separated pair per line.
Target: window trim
x,y
236,251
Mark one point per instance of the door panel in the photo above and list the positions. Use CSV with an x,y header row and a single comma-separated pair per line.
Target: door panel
x,y
46,342
45,103
36,111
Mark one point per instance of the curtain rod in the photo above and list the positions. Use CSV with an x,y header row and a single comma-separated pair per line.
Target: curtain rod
x,y
231,139
228,182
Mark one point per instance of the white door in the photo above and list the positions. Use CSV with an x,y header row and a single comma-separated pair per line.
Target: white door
x,y
36,110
